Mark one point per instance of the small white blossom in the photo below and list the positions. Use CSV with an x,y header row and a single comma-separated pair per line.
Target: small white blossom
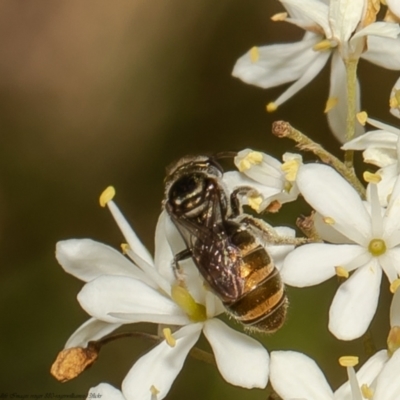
x,y
296,376
372,244
381,148
120,291
273,182
343,29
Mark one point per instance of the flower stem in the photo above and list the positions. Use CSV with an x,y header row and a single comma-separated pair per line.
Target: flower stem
x,y
351,85
284,129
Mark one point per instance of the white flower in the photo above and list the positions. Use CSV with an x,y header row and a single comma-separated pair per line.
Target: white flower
x,y
381,148
296,376
274,183
371,244
342,29
120,292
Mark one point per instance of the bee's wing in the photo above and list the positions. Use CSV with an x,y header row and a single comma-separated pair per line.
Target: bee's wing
x,y
218,260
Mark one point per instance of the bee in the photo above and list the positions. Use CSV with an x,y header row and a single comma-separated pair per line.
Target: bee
x,y
226,245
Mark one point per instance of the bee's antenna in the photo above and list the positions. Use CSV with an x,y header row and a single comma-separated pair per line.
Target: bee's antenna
x,y
225,154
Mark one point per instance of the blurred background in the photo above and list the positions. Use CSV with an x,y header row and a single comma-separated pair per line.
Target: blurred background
x,y
94,93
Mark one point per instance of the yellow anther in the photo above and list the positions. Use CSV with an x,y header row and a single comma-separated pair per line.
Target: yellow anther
x,y
279,17
366,391
154,391
171,341
362,117
371,178
342,272
290,169
125,247
323,45
254,54
255,202
329,220
252,158
395,285
271,107
348,361
393,340
377,247
330,104
393,102
395,99
107,196
195,311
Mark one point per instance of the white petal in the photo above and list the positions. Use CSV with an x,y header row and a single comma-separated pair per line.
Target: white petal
x,y
380,157
328,233
241,360
134,242
344,16
355,303
87,260
93,329
337,116
376,138
314,263
379,29
277,64
234,180
388,383
390,263
295,376
158,369
392,215
332,196
309,74
163,254
108,295
309,10
384,52
105,391
394,7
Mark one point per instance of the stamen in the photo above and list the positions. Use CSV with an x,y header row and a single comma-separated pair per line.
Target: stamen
x,y
330,104
195,311
348,361
394,285
125,248
323,45
255,202
393,340
169,338
290,169
154,392
252,158
254,54
342,272
394,101
366,391
271,107
279,17
107,196
329,220
371,178
377,247
362,117
376,212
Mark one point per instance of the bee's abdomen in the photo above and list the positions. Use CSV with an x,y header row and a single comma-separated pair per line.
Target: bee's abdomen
x,y
263,303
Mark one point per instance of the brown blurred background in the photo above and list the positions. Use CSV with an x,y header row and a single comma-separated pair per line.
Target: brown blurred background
x,y
100,92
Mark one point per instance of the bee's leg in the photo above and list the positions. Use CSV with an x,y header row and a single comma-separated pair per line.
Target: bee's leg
x,y
182,255
236,205
268,234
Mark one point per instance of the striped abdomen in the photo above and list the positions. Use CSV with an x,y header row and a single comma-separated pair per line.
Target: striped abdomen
x,y
263,304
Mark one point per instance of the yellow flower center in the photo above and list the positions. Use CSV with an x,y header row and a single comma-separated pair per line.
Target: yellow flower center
x,y
195,311
377,247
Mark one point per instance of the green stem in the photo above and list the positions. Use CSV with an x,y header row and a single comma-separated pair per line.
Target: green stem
x,y
351,85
